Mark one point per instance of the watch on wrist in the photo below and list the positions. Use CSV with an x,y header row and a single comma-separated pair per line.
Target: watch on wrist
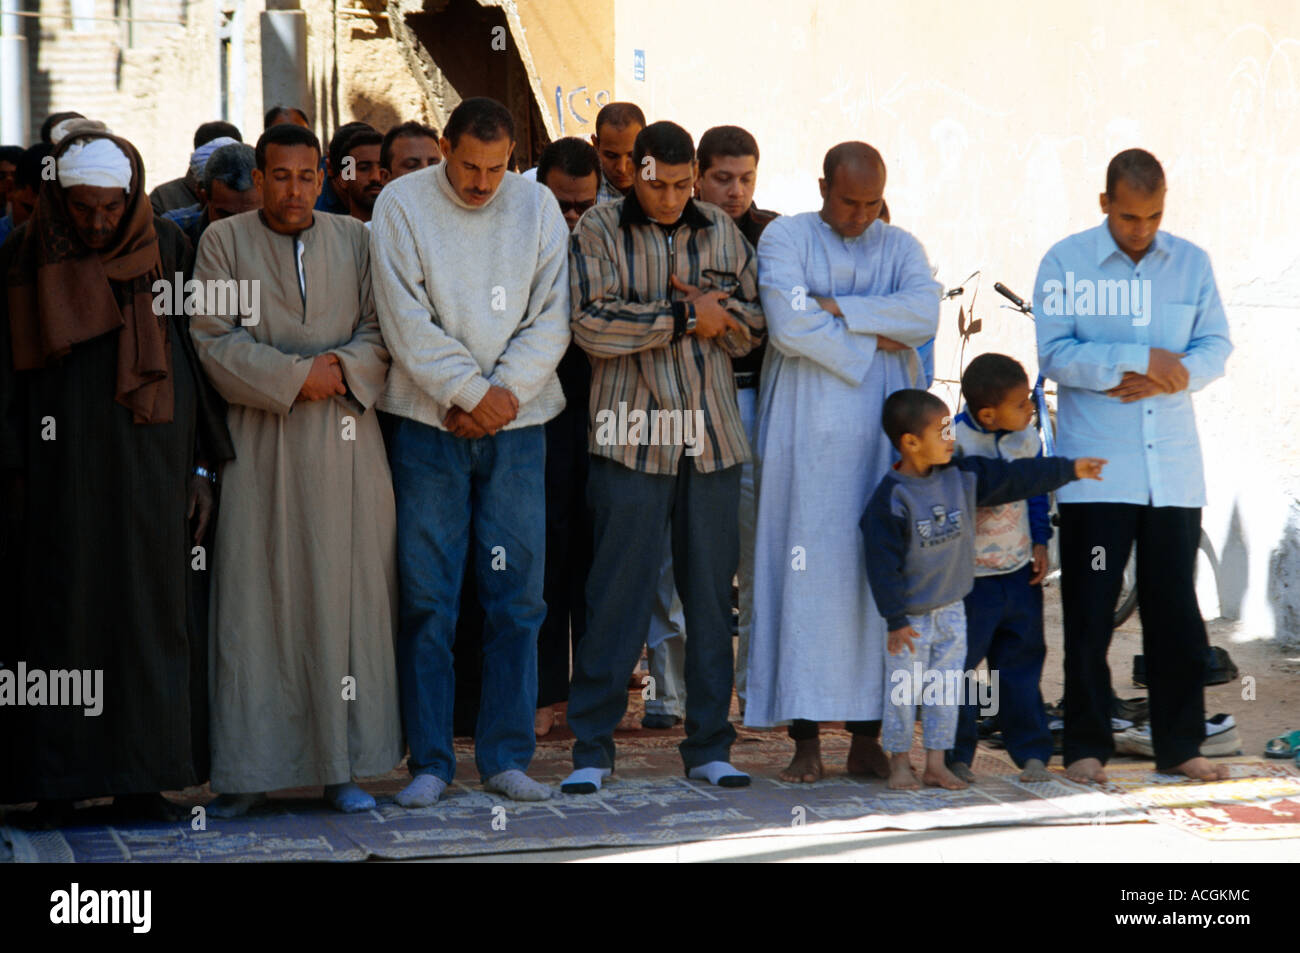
x,y
691,319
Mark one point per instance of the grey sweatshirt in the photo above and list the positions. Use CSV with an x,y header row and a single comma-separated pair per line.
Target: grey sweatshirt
x,y
470,297
919,531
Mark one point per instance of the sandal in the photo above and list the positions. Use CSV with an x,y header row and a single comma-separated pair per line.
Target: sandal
x,y
1283,746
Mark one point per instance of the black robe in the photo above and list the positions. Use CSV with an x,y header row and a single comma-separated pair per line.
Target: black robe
x,y
97,554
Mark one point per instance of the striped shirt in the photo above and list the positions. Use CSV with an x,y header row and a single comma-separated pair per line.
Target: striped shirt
x,y
645,368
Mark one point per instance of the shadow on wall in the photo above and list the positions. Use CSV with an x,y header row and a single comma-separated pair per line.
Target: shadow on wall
x,y
1284,583
380,113
1232,568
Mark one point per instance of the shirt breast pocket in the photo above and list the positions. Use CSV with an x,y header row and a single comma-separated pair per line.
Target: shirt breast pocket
x,y
1175,328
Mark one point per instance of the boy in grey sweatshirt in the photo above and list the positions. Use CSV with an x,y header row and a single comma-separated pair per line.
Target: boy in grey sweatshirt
x,y
920,557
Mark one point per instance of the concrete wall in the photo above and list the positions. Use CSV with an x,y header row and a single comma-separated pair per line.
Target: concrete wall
x,y
997,119
572,47
155,86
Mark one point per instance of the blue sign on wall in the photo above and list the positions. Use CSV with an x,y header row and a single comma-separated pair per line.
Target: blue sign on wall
x,y
638,65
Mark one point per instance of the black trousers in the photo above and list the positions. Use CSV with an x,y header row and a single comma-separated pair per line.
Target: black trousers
x,y
802,730
568,551
1095,542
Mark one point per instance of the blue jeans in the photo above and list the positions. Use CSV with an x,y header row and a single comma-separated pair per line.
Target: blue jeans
x,y
444,485
1004,624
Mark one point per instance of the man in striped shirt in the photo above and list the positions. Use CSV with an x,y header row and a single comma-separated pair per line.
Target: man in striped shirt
x,y
664,294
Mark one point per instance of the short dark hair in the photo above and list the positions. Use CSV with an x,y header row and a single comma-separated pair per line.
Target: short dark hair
x,y
571,155
620,116
339,142
851,153
909,411
988,378
1138,168
231,165
215,130
483,118
285,134
409,129
666,141
276,113
730,141
30,166
11,154
363,137
52,120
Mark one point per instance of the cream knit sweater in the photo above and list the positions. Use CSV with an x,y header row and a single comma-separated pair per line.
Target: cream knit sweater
x,y
470,297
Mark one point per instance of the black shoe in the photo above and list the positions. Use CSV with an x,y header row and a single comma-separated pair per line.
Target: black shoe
x,y
659,722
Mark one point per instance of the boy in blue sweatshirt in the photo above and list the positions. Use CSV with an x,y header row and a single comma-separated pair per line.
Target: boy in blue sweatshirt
x,y
1004,610
920,554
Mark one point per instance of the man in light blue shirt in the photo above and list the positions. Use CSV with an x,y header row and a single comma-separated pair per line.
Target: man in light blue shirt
x,y
1129,325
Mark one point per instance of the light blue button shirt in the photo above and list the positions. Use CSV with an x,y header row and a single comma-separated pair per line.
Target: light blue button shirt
x,y
1098,313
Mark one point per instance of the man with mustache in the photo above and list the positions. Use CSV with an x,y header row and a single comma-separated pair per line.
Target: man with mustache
x,y
471,283
303,682
363,174
109,434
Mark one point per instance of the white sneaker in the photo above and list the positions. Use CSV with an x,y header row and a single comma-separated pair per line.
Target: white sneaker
x,y
1221,738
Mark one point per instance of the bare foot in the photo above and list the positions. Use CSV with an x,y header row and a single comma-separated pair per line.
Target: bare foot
x,y
1035,770
1201,769
806,765
937,774
867,758
543,721
962,770
901,775
1085,770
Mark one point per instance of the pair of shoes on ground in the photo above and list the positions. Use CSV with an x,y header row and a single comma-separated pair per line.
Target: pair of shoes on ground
x,y
1221,739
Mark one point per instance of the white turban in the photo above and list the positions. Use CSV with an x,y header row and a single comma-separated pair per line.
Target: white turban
x,y
79,124
97,162
200,156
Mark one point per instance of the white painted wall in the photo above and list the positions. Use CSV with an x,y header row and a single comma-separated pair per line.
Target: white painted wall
x,y
997,119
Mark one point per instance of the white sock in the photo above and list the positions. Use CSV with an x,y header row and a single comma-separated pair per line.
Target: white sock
x,y
584,781
348,798
234,805
720,773
517,786
423,791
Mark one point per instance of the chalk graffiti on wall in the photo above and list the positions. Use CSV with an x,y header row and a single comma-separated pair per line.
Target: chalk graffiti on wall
x,y
578,98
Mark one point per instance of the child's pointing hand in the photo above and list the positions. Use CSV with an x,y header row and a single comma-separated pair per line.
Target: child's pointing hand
x,y
1088,468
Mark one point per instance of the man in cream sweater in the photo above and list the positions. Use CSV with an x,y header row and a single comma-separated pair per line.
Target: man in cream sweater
x,y
470,270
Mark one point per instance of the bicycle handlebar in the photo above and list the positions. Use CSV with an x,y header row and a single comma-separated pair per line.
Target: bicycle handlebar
x,y
1010,295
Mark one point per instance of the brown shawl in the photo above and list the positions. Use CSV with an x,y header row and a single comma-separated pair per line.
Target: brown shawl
x,y
62,293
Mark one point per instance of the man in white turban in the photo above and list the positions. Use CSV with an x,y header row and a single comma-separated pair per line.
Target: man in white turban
x,y
106,515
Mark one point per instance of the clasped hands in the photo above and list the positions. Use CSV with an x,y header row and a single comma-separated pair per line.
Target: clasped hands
x,y
711,318
497,408
1165,375
324,380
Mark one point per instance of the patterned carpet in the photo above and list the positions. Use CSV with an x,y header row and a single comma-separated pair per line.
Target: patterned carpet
x,y
1261,800
649,803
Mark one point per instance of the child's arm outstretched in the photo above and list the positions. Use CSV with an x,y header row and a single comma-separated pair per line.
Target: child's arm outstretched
x,y
884,535
1004,481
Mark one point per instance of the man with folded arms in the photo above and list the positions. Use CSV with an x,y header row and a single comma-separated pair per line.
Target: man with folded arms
x,y
664,295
